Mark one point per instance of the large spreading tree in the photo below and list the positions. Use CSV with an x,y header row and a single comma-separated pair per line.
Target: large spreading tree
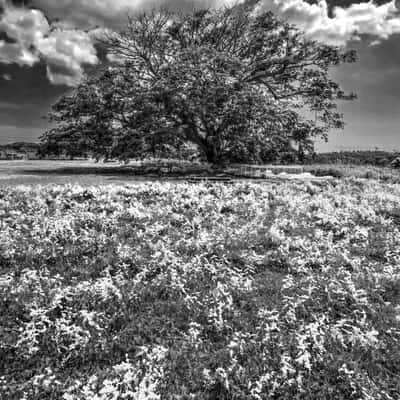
x,y
232,84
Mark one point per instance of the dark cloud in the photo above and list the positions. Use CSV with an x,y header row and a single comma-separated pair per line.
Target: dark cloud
x,y
21,3
87,14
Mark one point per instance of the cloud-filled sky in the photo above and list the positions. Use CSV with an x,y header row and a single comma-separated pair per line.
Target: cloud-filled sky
x,y
47,45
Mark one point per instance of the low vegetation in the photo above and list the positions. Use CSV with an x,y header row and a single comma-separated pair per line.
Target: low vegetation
x,y
178,291
19,150
378,158
383,174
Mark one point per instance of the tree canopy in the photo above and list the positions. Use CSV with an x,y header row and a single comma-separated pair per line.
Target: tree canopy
x,y
232,84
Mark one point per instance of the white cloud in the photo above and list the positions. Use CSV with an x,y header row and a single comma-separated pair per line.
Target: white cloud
x,y
23,27
15,53
30,38
65,52
380,21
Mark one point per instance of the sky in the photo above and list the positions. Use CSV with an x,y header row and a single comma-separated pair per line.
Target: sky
x,y
46,47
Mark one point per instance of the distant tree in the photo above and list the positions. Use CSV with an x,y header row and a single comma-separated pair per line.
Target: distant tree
x,y
237,86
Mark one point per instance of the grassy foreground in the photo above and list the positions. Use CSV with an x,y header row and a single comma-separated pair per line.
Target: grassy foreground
x,y
179,291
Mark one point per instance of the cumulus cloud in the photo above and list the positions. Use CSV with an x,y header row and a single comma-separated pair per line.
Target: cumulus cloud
x,y
28,37
345,24
21,28
65,52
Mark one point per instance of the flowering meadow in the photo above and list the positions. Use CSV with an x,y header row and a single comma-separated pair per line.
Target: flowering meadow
x,y
200,291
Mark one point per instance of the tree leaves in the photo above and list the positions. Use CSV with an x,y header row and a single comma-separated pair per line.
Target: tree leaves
x,y
229,82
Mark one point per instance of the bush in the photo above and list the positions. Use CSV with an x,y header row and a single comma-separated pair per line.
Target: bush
x,y
395,163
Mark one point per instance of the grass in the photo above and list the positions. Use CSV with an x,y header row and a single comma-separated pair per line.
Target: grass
x,y
163,290
64,172
385,174
89,173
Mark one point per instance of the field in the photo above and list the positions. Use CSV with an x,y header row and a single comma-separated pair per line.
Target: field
x,y
383,174
62,172
88,173
163,290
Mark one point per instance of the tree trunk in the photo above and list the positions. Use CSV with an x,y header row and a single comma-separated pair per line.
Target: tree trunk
x,y
211,155
209,150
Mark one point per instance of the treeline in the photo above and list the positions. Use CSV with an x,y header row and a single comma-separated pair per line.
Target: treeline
x,y
380,158
359,157
19,150
20,146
